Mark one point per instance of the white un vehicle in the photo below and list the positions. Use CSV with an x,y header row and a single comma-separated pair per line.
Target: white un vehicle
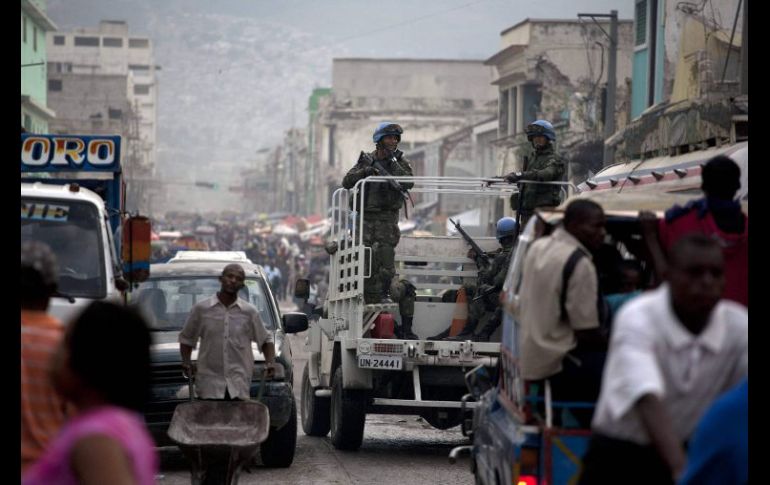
x,y
350,373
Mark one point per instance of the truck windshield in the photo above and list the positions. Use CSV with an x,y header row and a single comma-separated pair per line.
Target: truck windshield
x,y
73,231
166,302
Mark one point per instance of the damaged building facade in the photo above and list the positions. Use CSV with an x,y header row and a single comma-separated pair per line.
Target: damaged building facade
x,y
690,84
430,98
557,70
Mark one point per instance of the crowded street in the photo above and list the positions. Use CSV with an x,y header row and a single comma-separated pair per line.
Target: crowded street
x,y
342,242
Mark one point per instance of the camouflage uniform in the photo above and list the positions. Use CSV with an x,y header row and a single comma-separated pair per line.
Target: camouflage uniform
x,y
492,276
381,205
404,293
542,165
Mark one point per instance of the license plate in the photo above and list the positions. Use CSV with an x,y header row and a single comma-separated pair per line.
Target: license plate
x,y
380,362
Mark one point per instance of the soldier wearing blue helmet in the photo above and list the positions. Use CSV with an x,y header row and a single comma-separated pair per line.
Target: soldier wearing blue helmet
x,y
544,164
381,205
486,296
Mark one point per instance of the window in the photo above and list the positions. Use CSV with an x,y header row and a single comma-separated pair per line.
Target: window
x,y
138,43
27,122
331,146
58,40
112,42
24,29
87,41
114,114
531,95
34,38
54,85
141,89
514,110
641,23
503,113
139,67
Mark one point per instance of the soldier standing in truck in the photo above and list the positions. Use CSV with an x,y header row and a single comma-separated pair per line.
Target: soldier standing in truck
x,y
544,164
381,206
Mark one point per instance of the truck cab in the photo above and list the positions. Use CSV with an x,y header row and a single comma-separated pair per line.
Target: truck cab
x,y
71,199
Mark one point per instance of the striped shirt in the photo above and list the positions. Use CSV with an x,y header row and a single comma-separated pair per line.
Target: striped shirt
x,y
651,352
42,410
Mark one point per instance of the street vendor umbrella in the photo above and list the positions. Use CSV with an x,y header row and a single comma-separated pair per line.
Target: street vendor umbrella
x,y
284,230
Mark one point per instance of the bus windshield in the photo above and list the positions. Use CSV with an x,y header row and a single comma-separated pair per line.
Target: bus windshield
x,y
73,231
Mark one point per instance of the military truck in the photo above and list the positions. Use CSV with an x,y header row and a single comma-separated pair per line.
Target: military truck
x,y
354,370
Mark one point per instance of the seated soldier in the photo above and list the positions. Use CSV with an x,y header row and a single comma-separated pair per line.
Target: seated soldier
x,y
486,296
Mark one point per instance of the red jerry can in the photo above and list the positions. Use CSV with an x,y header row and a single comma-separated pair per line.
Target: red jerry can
x,y
384,326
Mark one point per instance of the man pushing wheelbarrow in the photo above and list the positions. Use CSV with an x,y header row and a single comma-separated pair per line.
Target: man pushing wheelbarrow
x,y
222,431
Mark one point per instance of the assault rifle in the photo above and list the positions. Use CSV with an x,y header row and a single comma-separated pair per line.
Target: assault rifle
x,y
384,173
479,252
488,291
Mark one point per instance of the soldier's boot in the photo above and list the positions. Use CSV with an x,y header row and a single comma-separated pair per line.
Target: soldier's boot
x,y
385,295
440,336
466,333
406,329
486,332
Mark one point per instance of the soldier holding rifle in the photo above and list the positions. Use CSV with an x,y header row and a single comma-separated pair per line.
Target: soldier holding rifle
x,y
381,204
493,268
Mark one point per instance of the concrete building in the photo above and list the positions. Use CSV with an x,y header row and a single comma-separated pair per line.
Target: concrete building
x,y
690,83
314,200
35,113
468,152
430,98
556,70
85,59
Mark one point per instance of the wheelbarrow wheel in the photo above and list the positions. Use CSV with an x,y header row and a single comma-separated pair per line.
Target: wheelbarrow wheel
x,y
278,449
315,410
348,415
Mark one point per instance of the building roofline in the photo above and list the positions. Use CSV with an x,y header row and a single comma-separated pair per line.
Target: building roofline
x,y
559,21
508,51
38,15
38,107
375,59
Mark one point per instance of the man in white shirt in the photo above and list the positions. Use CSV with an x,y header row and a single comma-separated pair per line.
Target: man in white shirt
x,y
672,352
226,326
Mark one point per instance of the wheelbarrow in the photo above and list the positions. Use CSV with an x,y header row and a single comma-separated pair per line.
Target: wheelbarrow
x,y
219,437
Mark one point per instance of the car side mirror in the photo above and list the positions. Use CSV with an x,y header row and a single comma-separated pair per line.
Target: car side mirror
x,y
478,381
294,322
302,289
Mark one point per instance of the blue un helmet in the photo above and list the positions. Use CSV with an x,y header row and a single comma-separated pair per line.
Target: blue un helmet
x,y
506,226
541,128
387,128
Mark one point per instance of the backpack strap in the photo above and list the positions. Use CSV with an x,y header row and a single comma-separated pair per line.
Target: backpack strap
x,y
566,274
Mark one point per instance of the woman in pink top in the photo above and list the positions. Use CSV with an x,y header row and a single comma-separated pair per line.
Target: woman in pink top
x,y
103,367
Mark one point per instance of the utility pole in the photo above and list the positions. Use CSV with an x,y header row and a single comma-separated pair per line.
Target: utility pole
x,y
609,107
745,50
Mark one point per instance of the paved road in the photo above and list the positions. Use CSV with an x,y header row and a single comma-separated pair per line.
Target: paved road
x,y
397,450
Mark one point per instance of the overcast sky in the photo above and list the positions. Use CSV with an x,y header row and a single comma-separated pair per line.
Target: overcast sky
x,y
398,28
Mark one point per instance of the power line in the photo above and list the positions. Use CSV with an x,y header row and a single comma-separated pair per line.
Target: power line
x,y
408,22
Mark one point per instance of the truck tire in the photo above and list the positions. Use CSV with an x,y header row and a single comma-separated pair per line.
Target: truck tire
x,y
348,415
278,449
315,410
